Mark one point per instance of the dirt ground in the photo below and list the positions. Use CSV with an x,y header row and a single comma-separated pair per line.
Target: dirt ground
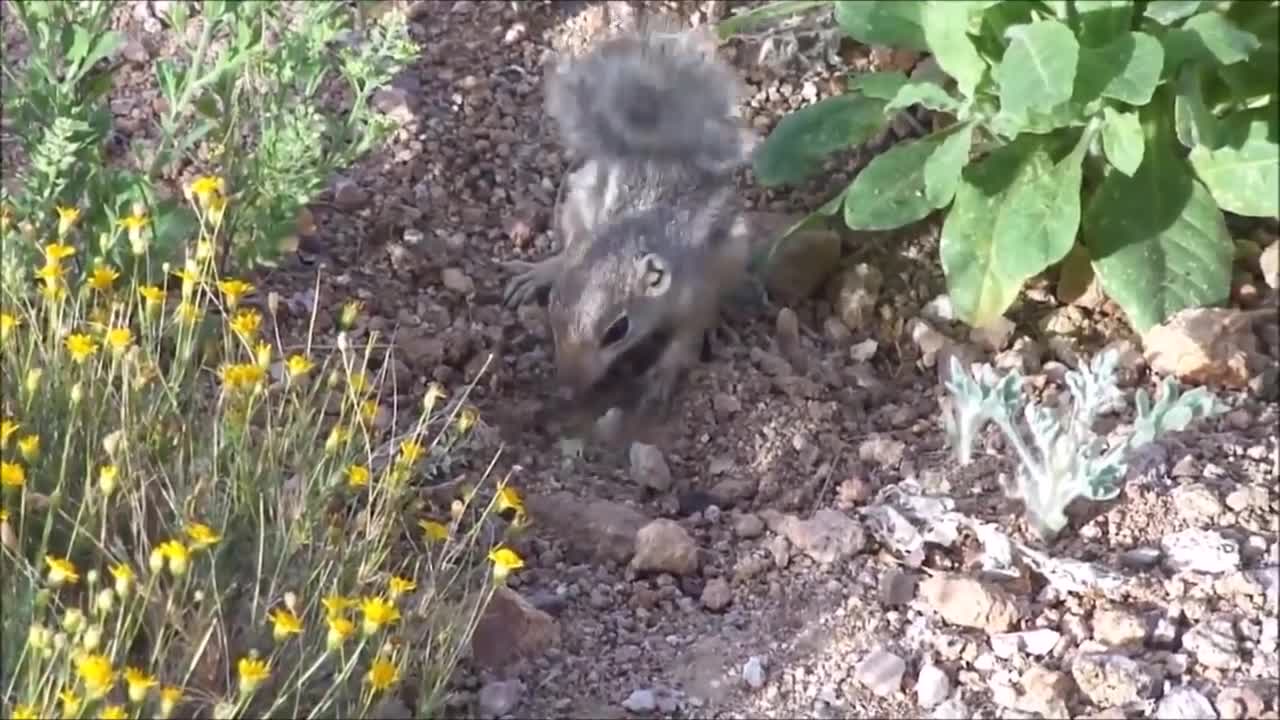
x,y
771,590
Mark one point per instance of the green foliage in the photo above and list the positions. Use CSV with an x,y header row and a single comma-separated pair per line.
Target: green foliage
x,y
1065,458
1121,130
241,100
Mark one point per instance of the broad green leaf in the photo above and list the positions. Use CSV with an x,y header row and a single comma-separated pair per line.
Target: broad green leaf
x,y
1243,174
79,47
1168,12
1192,121
1102,21
795,148
1126,69
942,169
882,22
1037,222
982,277
1260,73
1158,239
927,94
1122,140
879,85
1039,68
945,27
107,44
1209,36
890,190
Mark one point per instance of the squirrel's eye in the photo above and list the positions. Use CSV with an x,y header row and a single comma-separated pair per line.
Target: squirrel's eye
x,y
616,331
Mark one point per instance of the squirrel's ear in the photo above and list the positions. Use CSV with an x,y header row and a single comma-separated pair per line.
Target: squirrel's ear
x,y
656,276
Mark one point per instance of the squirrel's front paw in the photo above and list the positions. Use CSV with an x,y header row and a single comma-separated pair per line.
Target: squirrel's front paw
x,y
532,282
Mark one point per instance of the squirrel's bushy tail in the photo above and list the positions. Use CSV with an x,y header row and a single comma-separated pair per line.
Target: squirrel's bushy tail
x,y
650,96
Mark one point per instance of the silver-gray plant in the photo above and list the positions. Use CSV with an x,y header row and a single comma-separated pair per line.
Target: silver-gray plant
x,y
1065,458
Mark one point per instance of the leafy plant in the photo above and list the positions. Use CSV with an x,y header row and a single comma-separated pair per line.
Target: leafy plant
x,y
1121,130
1065,458
246,96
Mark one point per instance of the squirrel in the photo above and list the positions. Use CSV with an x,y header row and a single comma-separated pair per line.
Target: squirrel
x,y
650,231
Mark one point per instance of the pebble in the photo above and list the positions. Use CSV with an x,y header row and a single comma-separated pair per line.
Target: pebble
x,y
753,672
969,603
457,281
748,526
500,697
881,672
665,546
1119,628
717,595
1040,641
1204,551
1196,503
1109,679
1045,692
897,587
649,467
1212,641
641,701
932,686
1185,703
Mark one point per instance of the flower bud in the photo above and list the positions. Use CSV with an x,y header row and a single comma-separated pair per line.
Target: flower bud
x,y
77,394
105,601
92,639
72,620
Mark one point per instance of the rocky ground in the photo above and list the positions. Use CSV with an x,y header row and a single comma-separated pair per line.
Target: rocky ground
x,y
805,545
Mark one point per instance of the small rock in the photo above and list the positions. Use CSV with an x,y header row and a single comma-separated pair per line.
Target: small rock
x,y
939,310
665,546
1185,703
348,196
1196,503
1205,551
1045,691
932,686
1203,346
1140,558
1025,356
1243,498
753,672
725,404
863,351
854,293
1112,679
717,595
512,628
1269,262
1240,702
136,52
601,529
951,709
780,551
826,537
1040,641
748,526
641,701
394,103
457,281
1119,628
882,450
1212,642
499,698
897,587
649,468
969,603
994,336
881,672
928,340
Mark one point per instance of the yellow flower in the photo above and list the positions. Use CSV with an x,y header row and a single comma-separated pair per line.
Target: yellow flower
x,y
25,712
187,312
509,499
467,418
119,339
103,278
29,446
435,393
170,696
81,347
350,311
7,428
202,536
433,531
340,629
217,206
4,515
123,575
12,475
262,355
410,452
108,475
357,476
298,366
398,586
139,683
153,295
176,554
382,674
134,223
369,410
70,703
61,571
335,604
52,274
242,376
246,324
338,437
233,290
252,673
67,217
7,325
358,382
205,188
504,561
113,712
378,612
95,670
284,623
190,279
